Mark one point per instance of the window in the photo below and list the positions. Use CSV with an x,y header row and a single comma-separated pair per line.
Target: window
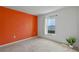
x,y
50,25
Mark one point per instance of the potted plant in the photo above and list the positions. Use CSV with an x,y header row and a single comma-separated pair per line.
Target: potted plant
x,y
71,41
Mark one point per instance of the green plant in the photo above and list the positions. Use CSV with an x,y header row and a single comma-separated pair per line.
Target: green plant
x,y
71,40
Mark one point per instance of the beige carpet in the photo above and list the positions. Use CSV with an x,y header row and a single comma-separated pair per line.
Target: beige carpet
x,y
36,45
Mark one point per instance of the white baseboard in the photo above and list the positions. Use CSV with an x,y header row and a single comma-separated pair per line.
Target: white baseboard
x,y
18,41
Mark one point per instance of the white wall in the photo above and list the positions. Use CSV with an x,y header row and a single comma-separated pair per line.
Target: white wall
x,y
77,42
66,24
77,11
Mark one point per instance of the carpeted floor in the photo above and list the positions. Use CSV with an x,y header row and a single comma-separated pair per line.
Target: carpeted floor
x,y
36,45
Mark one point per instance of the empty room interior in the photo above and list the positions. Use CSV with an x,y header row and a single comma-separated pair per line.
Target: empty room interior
x,y
39,28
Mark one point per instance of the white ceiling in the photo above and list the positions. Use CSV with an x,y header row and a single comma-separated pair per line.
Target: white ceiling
x,y
36,10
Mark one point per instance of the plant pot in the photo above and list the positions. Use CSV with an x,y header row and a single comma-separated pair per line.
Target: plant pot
x,y
70,46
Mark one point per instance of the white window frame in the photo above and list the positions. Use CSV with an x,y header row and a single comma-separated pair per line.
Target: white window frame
x,y
46,26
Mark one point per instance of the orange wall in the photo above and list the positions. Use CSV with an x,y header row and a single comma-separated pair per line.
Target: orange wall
x,y
17,23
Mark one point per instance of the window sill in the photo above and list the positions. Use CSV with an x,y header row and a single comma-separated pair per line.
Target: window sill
x,y
50,34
